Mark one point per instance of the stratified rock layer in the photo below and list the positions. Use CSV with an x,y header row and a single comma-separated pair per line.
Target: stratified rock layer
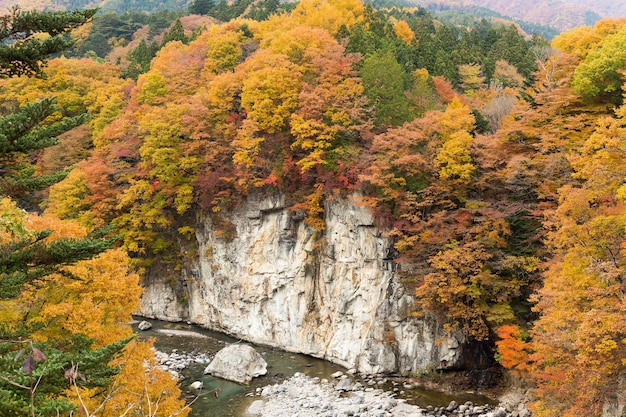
x,y
333,295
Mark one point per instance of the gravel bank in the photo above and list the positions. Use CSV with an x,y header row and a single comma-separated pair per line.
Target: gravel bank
x,y
303,396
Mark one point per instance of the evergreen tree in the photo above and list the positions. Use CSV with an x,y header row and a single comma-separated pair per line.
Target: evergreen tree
x,y
202,7
34,375
140,58
22,132
22,52
383,79
176,33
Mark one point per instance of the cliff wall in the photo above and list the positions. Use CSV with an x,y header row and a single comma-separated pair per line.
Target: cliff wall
x,y
277,282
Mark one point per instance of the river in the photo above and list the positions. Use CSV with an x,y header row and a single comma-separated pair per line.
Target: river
x,y
227,399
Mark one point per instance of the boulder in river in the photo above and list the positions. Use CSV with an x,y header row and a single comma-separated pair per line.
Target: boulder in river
x,y
144,325
196,385
239,363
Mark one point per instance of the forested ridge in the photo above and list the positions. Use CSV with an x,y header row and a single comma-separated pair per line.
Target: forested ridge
x,y
493,161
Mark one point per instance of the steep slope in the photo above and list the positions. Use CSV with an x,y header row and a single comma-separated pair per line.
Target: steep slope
x,y
336,296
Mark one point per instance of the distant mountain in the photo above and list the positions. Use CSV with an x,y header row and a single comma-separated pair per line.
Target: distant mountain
x,y
562,15
470,15
613,8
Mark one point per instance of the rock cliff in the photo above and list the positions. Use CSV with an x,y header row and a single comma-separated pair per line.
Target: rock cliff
x,y
277,282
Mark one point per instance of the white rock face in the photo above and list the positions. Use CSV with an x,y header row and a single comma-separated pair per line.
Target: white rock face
x,y
278,282
239,363
615,403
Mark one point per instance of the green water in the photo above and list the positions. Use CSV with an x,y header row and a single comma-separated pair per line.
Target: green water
x,y
220,398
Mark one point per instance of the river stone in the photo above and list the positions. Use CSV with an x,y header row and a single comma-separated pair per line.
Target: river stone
x,y
407,410
238,363
255,408
144,325
344,385
196,385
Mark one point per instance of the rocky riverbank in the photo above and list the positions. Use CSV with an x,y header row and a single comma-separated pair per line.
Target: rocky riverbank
x,y
176,362
303,396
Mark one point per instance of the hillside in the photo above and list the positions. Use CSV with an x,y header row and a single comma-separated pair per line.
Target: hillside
x,y
559,14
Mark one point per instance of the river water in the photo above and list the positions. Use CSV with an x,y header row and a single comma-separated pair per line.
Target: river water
x,y
220,398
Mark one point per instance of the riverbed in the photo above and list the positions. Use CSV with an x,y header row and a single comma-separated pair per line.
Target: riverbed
x,y
227,399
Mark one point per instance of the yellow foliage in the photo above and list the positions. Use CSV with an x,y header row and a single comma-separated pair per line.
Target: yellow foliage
x,y
248,143
94,297
270,90
295,42
404,32
583,40
184,198
79,84
471,78
98,303
454,157
62,229
325,14
67,198
224,51
140,389
456,117
152,88
12,222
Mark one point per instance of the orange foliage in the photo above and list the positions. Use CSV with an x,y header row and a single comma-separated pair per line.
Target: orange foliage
x,y
444,89
513,350
579,340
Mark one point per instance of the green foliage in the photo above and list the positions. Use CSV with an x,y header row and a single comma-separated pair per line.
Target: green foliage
x,y
601,75
226,11
22,51
261,10
30,259
202,7
33,376
22,132
469,16
176,33
383,79
139,59
113,26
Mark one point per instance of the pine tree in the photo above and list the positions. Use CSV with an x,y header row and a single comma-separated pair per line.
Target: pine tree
x,y
176,33
33,376
21,133
202,7
22,52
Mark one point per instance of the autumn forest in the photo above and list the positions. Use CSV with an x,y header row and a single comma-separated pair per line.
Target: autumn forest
x,y
493,159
